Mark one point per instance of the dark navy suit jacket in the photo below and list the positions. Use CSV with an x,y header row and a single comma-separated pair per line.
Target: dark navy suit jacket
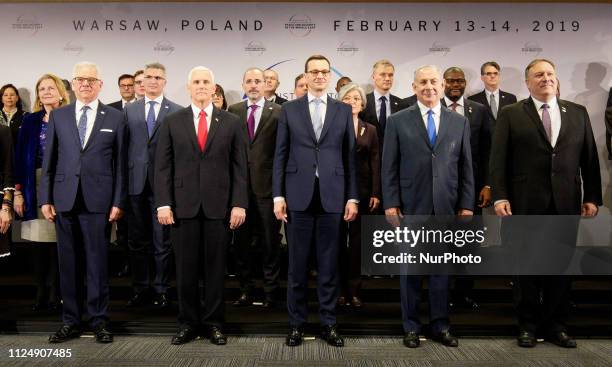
x,y
298,153
141,147
99,168
421,179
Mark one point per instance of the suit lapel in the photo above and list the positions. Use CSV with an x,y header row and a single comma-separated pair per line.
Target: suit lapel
x,y
330,112
442,130
74,128
371,105
467,109
418,119
163,111
306,117
563,107
142,119
394,102
265,116
362,133
189,128
215,123
530,109
96,126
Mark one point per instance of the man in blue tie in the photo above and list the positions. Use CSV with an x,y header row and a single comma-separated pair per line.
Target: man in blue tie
x,y
427,170
314,187
82,190
146,235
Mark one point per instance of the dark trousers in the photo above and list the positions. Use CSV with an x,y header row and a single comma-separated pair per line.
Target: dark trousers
x,y
148,237
200,244
324,228
350,253
46,272
410,292
83,235
262,225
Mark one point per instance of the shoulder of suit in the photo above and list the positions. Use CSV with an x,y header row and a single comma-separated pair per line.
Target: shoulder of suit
x,y
571,105
474,104
172,105
236,106
111,111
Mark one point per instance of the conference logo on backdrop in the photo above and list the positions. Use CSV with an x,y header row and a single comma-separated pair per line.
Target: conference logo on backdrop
x,y
347,49
164,47
438,48
532,48
71,48
28,24
255,48
300,25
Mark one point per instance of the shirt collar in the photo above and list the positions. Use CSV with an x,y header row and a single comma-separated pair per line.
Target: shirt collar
x,y
159,99
208,109
260,103
436,109
449,102
323,98
93,105
488,93
378,95
538,104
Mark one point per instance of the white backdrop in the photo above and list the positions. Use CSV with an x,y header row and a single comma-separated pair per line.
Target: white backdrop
x,y
228,38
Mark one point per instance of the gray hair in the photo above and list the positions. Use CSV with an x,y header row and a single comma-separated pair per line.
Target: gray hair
x,y
349,88
434,67
85,64
252,69
201,68
155,65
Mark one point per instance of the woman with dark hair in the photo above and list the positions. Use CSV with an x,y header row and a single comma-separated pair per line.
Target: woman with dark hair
x,y
11,109
219,98
50,94
6,185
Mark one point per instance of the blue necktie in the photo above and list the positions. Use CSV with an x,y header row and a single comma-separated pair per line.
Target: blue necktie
x,y
82,126
316,120
382,119
151,117
431,128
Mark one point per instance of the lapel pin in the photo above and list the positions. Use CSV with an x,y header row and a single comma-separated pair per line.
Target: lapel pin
x,y
395,103
361,131
563,109
269,108
166,107
470,109
217,119
101,112
503,96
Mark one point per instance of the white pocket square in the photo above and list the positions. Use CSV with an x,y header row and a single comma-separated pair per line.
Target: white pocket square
x,y
106,130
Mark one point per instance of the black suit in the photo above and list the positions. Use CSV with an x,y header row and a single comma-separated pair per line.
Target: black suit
x,y
260,217
505,99
118,105
6,175
539,179
369,113
609,104
609,131
409,101
279,100
201,188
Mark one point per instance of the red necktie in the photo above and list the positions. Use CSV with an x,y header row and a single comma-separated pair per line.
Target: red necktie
x,y
202,130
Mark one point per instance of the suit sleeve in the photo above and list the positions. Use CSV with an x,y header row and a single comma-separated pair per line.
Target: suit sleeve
x,y
239,162
609,131
281,154
163,185
350,157
390,166
589,165
121,175
45,195
375,163
466,173
498,160
7,158
485,145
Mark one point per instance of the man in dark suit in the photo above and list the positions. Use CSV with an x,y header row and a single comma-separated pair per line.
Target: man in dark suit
x,y
381,103
492,96
143,119
272,83
201,180
260,117
480,141
314,177
543,152
409,101
427,169
608,118
83,189
126,89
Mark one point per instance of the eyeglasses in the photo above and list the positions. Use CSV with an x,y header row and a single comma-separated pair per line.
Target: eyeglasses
x,y
83,81
316,73
158,78
453,81
492,73
126,85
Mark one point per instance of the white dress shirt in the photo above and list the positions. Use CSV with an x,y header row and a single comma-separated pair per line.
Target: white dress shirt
x,y
196,116
91,116
378,102
436,114
496,93
460,109
124,102
156,106
258,111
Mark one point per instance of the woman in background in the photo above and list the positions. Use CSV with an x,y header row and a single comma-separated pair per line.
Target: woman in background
x,y
219,98
11,109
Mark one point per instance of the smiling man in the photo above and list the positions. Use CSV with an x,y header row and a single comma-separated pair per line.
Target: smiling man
x,y
200,182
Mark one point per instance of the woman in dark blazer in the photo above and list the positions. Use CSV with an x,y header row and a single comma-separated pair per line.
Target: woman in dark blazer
x,y
50,94
368,181
6,185
11,109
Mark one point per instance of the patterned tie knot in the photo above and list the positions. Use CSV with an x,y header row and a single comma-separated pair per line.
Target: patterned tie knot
x,y
253,107
202,113
85,108
545,106
383,99
152,103
317,101
430,113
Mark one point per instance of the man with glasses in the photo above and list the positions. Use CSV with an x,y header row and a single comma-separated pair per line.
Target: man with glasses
x,y
143,119
126,89
260,118
314,187
82,190
492,96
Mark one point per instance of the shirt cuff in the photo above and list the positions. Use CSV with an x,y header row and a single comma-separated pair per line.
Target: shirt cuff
x,y
163,207
279,199
353,201
500,201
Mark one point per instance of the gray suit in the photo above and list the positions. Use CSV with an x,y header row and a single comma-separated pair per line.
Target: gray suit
x,y
144,231
424,180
